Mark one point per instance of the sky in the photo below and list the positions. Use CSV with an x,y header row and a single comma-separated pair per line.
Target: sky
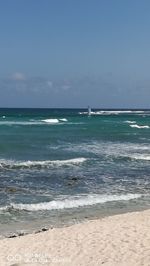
x,y
75,53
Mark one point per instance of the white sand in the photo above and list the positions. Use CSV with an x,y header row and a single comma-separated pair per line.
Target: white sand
x,y
118,240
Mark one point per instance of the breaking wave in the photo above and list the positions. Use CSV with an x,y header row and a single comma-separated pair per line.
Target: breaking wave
x,y
8,164
54,120
63,119
114,112
51,120
137,126
34,122
72,202
21,123
130,122
145,157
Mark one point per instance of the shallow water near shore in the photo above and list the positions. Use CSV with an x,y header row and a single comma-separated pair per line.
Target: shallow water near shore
x,y
60,166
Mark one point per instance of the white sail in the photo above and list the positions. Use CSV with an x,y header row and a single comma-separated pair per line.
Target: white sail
x,y
89,110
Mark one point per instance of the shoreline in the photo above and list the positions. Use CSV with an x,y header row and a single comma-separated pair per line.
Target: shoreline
x,y
36,226
122,239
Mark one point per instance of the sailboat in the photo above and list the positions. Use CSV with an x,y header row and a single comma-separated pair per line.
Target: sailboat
x,y
89,110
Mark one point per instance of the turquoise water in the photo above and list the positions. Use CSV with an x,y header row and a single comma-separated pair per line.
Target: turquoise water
x,y
63,163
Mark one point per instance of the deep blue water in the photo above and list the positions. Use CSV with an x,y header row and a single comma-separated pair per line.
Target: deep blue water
x,y
54,161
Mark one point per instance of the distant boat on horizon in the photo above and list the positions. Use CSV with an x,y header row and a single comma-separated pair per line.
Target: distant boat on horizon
x,y
89,110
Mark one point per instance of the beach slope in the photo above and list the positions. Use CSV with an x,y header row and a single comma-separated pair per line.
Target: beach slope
x,y
117,240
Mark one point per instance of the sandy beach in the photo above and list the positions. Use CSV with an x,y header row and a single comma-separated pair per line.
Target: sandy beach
x,y
116,240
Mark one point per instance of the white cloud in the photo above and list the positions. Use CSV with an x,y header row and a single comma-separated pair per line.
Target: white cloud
x,y
18,76
50,83
66,87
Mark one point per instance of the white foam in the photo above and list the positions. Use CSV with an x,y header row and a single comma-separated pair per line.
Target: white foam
x,y
113,112
33,122
51,120
130,122
138,112
75,202
24,123
137,126
145,157
109,151
4,208
47,163
63,119
107,147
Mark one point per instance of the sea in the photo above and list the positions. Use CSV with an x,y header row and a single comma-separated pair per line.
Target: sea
x,y
61,166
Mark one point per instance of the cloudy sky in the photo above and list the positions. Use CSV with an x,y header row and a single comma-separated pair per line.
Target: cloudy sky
x,y
74,53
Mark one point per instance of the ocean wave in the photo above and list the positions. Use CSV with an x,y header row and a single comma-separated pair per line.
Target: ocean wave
x,y
108,148
51,120
34,122
145,157
130,122
71,202
54,120
21,123
137,126
4,208
106,152
114,112
29,164
63,119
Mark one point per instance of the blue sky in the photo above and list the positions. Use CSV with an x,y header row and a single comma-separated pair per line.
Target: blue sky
x,y
74,53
